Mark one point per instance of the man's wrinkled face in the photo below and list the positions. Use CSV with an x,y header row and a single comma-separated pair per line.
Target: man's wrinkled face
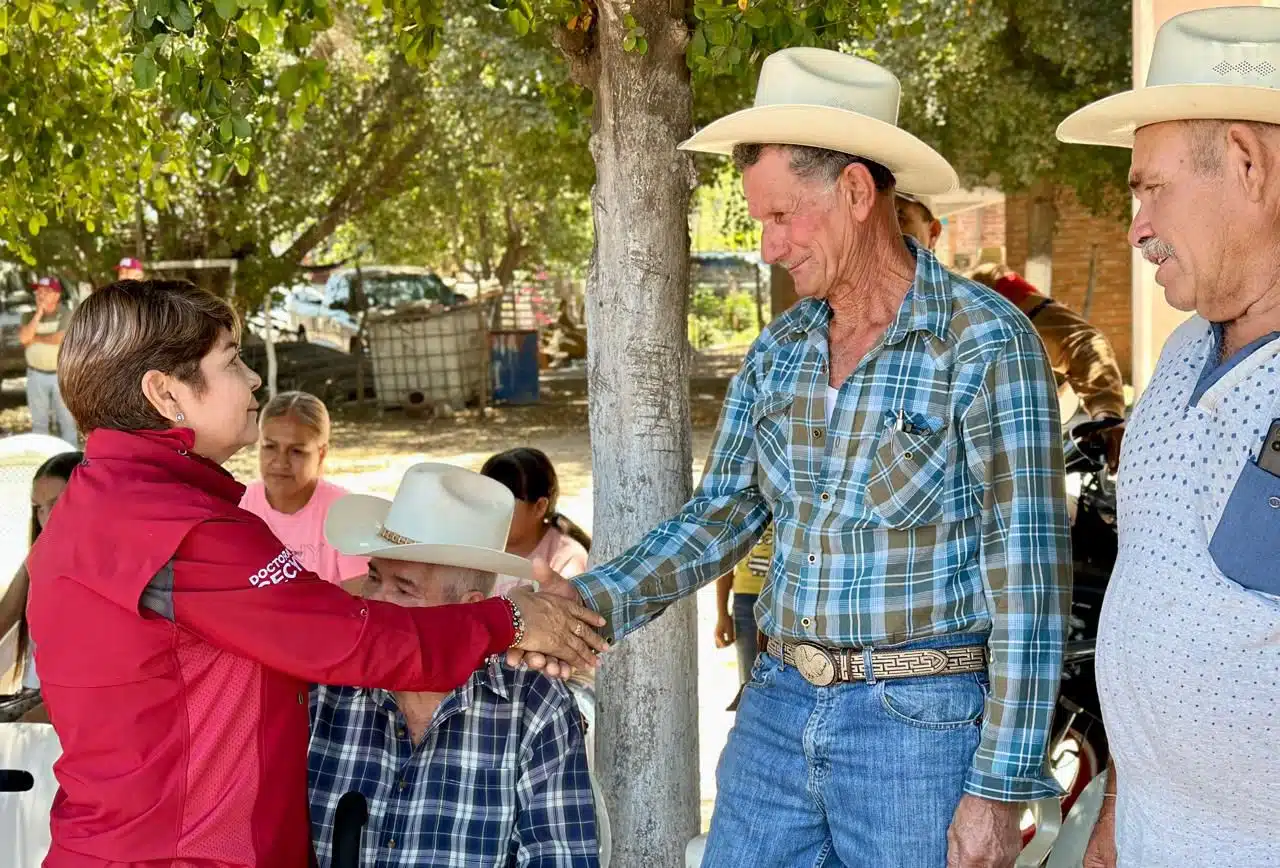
x,y
805,225
406,583
1189,221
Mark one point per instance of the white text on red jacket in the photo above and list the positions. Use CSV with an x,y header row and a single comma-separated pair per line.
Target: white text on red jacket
x,y
281,568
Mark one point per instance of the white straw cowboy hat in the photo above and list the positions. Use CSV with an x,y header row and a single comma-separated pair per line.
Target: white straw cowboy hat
x,y
1210,64
825,99
441,514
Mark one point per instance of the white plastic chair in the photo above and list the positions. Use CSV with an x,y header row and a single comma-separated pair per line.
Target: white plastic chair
x,y
1047,814
1068,852
20,457
585,699
24,817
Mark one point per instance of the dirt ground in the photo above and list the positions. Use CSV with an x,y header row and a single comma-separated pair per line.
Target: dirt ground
x,y
370,450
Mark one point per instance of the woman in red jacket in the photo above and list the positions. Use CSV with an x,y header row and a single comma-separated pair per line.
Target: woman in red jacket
x,y
176,636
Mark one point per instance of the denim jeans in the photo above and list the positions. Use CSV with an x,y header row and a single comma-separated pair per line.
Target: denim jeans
x,y
44,399
745,629
860,775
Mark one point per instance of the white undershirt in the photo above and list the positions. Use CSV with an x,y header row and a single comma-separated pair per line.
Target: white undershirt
x,y
832,394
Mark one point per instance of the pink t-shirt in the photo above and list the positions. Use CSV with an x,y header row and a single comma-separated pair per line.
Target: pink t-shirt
x,y
562,552
303,532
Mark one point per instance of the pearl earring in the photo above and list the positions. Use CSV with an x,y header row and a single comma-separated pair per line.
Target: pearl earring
x,y
181,418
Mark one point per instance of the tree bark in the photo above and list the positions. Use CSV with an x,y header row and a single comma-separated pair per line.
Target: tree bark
x,y
1042,217
638,367
782,290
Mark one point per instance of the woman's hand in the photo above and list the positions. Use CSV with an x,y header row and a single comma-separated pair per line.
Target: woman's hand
x,y
558,628
725,630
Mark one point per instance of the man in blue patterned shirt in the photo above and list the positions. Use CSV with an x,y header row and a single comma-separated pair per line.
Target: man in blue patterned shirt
x,y
492,774
900,425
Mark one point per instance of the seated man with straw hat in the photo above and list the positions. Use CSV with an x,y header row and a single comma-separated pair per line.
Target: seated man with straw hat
x,y
900,425
493,773
1189,643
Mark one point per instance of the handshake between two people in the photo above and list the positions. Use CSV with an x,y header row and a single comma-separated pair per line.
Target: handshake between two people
x,y
559,631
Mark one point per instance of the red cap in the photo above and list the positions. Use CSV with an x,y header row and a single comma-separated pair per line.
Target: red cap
x,y
51,283
129,262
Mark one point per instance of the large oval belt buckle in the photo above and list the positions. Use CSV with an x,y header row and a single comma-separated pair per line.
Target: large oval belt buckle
x,y
815,664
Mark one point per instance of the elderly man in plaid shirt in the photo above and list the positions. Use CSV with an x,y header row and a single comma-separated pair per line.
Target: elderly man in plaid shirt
x,y
493,773
900,424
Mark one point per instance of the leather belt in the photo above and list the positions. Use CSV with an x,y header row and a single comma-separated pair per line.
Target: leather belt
x,y
823,667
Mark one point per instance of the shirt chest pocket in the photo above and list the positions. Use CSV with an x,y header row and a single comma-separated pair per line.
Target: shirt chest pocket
x,y
771,423
909,475
1246,543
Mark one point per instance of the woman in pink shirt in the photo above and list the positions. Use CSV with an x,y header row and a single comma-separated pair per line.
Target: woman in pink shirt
x,y
537,530
292,498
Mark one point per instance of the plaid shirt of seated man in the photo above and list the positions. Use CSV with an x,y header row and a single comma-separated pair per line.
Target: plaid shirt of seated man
x,y
493,773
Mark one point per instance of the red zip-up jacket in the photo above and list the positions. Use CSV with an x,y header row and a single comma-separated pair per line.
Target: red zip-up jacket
x,y
176,638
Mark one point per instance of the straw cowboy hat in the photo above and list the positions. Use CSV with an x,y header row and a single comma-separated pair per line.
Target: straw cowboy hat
x,y
441,514
1210,64
825,99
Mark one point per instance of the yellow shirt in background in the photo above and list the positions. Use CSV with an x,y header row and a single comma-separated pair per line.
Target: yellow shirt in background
x,y
749,574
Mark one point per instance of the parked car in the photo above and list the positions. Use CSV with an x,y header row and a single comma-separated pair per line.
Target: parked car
x,y
330,315
16,301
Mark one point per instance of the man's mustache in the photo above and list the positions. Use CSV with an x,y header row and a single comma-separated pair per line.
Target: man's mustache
x,y
1156,251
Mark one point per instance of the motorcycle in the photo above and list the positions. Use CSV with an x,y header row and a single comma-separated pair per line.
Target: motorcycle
x,y
1078,745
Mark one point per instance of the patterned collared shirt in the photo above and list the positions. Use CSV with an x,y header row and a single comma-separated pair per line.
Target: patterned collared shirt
x,y
500,778
932,503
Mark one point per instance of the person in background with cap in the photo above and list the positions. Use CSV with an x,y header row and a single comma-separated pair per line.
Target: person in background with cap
x,y
493,772
900,425
1188,657
1082,358
130,269
41,334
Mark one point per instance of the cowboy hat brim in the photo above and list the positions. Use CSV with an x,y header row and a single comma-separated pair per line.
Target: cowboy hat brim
x,y
352,525
1113,120
916,167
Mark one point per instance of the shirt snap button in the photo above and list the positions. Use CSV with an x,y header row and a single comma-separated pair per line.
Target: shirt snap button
x,y
825,497
1273,502
813,559
817,433
806,622
908,455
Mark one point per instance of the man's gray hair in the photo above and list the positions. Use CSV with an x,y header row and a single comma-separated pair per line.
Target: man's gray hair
x,y
820,163
1207,141
462,580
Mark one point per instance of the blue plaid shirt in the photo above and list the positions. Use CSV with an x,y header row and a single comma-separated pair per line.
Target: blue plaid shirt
x,y
500,779
933,503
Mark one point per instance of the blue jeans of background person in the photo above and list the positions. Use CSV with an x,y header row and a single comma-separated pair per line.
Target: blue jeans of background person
x,y
745,629
44,399
861,775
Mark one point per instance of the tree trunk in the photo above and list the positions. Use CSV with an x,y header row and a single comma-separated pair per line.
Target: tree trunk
x,y
638,366
782,290
269,336
1042,216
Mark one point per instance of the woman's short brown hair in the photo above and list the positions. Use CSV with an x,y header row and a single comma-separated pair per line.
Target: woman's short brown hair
x,y
128,328
303,407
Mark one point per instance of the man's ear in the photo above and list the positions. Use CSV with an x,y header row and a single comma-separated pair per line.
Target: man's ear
x,y
1249,160
472,597
158,389
935,232
859,187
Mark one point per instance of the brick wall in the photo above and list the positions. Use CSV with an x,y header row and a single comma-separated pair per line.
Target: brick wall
x,y
964,235
1076,233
